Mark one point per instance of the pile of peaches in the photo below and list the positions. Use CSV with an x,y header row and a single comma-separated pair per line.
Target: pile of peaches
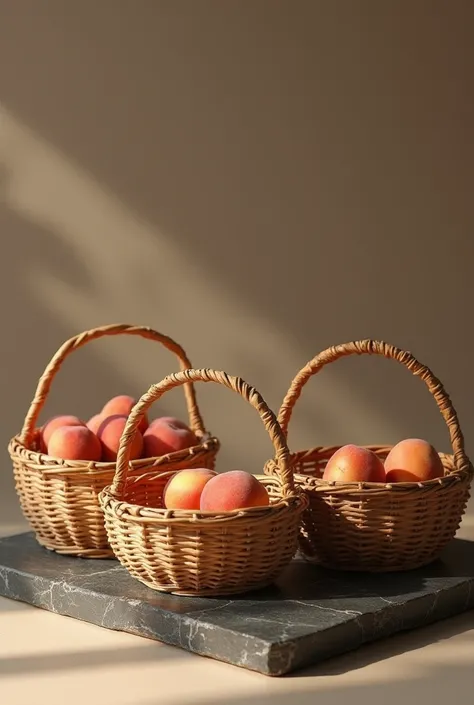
x,y
411,460
201,489
70,438
198,489
205,490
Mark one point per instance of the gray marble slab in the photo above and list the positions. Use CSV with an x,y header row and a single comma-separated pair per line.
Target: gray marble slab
x,y
309,615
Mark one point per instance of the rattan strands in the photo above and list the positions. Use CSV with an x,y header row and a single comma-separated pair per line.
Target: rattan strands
x,y
196,553
59,498
374,526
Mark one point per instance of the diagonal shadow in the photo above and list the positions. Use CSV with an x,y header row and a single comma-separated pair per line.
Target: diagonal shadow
x,y
94,659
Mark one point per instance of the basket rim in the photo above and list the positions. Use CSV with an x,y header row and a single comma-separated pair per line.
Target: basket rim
x,y
138,513
455,475
209,443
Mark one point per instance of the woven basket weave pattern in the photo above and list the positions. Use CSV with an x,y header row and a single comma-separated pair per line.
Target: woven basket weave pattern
x,y
60,498
193,553
376,527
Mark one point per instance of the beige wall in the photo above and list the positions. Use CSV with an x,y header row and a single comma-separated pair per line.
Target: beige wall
x,y
258,179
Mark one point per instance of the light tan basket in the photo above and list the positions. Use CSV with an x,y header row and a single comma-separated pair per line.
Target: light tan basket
x,y
372,526
201,553
59,498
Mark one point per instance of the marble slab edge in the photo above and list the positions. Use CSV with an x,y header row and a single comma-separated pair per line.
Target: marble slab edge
x,y
273,637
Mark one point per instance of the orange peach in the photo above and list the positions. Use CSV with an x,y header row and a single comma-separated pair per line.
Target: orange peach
x,y
110,432
172,419
183,490
56,422
74,443
353,463
235,489
94,423
413,460
122,406
167,435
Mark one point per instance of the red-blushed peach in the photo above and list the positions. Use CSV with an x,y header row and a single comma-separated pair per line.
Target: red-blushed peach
x,y
413,460
94,423
353,463
122,406
56,422
167,435
183,490
234,489
74,443
171,419
110,432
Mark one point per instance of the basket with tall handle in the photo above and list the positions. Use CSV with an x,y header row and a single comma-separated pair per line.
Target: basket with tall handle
x,y
59,498
377,526
201,553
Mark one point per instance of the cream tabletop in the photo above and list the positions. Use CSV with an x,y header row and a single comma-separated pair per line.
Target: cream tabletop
x,y
47,659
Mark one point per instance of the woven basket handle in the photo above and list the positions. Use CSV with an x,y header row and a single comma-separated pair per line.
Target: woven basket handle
x,y
375,347
78,341
204,375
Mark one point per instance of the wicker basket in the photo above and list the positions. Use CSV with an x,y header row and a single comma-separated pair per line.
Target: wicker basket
x,y
202,553
369,526
59,498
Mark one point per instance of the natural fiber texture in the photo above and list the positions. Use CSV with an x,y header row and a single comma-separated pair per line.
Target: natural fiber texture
x,y
370,526
194,553
59,497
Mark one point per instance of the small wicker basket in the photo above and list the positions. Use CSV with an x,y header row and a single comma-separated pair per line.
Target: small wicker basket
x,y
201,553
371,526
59,498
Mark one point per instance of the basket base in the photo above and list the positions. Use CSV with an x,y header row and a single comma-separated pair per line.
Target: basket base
x,y
76,552
310,614
356,568
361,565
221,592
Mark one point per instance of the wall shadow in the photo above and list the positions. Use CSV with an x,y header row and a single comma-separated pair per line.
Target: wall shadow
x,y
312,164
33,333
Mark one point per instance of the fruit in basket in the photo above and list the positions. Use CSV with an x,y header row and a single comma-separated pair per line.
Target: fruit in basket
x,y
94,422
74,443
183,490
56,422
235,489
167,435
352,463
122,406
413,460
162,419
110,432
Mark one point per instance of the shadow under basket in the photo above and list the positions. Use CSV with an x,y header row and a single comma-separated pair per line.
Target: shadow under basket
x,y
376,527
202,553
60,498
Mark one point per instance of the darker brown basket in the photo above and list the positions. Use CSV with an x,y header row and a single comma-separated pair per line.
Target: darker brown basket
x,y
372,526
201,553
59,498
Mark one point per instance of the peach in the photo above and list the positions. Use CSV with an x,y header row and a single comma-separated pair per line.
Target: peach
x,y
122,406
413,460
74,443
56,422
183,490
352,463
167,435
173,419
234,489
110,432
94,422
